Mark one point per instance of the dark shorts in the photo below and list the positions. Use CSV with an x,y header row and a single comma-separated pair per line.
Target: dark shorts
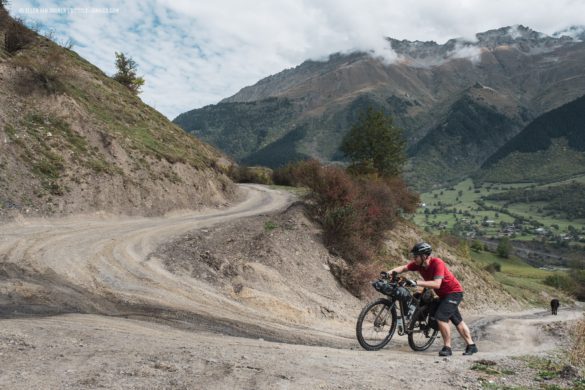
x,y
448,308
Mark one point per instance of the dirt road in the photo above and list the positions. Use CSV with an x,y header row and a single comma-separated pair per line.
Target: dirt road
x,y
84,303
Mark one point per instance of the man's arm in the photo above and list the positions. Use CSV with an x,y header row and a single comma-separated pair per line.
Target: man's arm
x,y
434,284
400,269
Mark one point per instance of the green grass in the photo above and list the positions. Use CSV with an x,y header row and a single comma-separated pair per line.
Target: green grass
x,y
512,266
518,278
101,166
490,367
446,207
562,162
52,135
137,127
270,225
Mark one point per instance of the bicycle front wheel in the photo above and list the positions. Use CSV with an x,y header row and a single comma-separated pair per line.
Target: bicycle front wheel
x,y
420,334
376,324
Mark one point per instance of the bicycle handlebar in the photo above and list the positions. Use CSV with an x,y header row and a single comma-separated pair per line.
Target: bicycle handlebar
x,y
399,280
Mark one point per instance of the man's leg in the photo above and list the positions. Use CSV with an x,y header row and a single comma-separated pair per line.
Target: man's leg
x,y
447,306
445,330
465,333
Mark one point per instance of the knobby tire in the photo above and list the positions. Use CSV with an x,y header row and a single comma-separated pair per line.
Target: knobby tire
x,y
421,339
376,324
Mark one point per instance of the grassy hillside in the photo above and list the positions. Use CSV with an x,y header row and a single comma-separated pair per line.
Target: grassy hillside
x,y
75,140
518,278
550,148
558,161
563,200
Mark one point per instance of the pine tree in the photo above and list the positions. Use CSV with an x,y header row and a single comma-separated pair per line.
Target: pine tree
x,y
126,74
375,145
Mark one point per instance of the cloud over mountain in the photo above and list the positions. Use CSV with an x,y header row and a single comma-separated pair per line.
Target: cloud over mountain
x,y
196,53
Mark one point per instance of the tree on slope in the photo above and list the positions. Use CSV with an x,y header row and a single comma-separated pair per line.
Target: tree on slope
x,y
504,248
126,74
375,145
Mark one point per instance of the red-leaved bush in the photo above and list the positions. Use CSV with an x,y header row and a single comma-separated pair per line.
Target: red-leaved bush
x,y
354,212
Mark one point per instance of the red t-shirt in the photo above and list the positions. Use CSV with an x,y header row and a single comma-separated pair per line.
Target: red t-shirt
x,y
438,270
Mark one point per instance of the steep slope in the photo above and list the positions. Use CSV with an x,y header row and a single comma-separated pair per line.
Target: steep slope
x,y
259,123
471,131
520,73
552,147
73,140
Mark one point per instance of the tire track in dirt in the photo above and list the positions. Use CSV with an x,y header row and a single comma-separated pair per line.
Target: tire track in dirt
x,y
93,265
102,266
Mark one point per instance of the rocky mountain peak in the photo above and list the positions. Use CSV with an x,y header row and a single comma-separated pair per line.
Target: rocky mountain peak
x,y
508,35
575,32
518,36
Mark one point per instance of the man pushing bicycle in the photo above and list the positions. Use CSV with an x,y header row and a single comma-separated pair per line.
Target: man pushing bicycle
x,y
437,276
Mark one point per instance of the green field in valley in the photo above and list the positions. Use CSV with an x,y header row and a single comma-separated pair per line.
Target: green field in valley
x,y
471,212
518,278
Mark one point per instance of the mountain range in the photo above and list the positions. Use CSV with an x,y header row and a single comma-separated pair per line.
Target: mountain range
x,y
458,103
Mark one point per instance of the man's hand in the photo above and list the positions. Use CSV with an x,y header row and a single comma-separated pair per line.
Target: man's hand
x,y
384,275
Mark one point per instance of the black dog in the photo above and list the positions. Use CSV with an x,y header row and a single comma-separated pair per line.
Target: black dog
x,y
554,306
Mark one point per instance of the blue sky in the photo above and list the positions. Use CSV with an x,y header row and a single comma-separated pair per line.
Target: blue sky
x,y
195,53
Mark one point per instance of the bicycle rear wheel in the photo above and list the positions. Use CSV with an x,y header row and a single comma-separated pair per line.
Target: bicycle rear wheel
x,y
376,324
420,334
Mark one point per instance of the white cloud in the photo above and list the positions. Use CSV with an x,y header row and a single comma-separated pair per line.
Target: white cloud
x,y
472,53
194,53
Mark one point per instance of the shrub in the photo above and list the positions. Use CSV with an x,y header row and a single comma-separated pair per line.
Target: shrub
x,y
17,36
361,275
354,212
477,246
504,248
294,174
561,281
572,282
303,173
244,174
44,70
270,225
283,176
493,267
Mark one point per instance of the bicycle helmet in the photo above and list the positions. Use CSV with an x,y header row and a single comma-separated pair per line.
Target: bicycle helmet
x,y
422,248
